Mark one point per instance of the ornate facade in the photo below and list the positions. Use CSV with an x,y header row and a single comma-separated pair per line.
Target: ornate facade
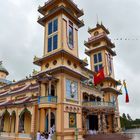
x,y
62,93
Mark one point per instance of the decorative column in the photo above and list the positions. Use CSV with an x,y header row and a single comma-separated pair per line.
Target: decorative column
x,y
84,122
42,120
114,123
17,122
33,122
50,83
104,123
10,123
99,123
49,120
0,123
39,120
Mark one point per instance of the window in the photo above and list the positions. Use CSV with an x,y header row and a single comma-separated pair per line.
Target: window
x,y
52,26
55,25
71,35
97,58
98,61
52,43
96,68
52,35
72,120
55,38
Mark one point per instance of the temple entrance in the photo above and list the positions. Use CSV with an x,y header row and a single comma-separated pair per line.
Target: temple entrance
x,y
52,121
6,122
25,122
92,122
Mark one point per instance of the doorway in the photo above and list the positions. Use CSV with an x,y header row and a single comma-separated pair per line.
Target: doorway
x,y
92,122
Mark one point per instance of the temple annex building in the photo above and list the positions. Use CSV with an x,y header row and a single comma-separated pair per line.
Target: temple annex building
x,y
62,94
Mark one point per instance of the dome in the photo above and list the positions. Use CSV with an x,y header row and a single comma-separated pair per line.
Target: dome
x,y
2,69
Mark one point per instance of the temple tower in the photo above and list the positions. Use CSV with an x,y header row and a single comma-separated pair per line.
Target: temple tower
x,y
61,69
101,53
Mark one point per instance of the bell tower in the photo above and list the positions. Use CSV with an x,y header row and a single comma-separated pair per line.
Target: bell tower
x,y
100,50
61,69
61,22
101,53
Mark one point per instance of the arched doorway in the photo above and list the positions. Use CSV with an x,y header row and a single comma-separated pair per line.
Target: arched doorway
x,y
25,122
6,122
92,98
98,99
92,122
13,122
85,97
52,121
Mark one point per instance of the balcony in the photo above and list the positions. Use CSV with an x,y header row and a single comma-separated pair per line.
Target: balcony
x,y
95,104
47,101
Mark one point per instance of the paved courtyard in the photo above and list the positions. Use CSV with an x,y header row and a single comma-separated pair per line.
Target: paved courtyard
x,y
108,137
3,138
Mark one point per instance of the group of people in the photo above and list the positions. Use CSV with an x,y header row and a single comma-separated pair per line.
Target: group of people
x,y
46,135
92,132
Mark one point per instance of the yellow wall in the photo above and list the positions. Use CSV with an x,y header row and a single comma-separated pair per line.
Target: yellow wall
x,y
6,122
27,123
13,123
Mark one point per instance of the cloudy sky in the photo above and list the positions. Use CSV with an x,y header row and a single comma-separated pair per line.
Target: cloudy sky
x,y
21,37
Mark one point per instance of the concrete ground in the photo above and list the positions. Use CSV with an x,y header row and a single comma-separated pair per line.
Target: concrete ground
x,y
4,138
108,137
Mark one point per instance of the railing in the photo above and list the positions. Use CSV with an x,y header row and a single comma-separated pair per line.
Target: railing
x,y
100,35
47,99
23,135
98,104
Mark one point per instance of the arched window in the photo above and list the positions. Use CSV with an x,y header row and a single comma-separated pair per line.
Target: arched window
x,y
25,122
5,123
85,97
98,99
92,98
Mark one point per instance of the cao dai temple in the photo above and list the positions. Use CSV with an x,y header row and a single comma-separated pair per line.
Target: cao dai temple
x,y
62,93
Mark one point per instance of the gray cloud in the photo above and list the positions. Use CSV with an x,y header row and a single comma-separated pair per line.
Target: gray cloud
x,y
21,38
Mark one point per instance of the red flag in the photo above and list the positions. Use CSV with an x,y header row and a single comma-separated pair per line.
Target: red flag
x,y
99,77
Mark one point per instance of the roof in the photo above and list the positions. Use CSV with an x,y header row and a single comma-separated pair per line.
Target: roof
x,y
2,69
65,69
63,9
49,3
40,60
21,89
98,26
99,48
96,39
111,89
